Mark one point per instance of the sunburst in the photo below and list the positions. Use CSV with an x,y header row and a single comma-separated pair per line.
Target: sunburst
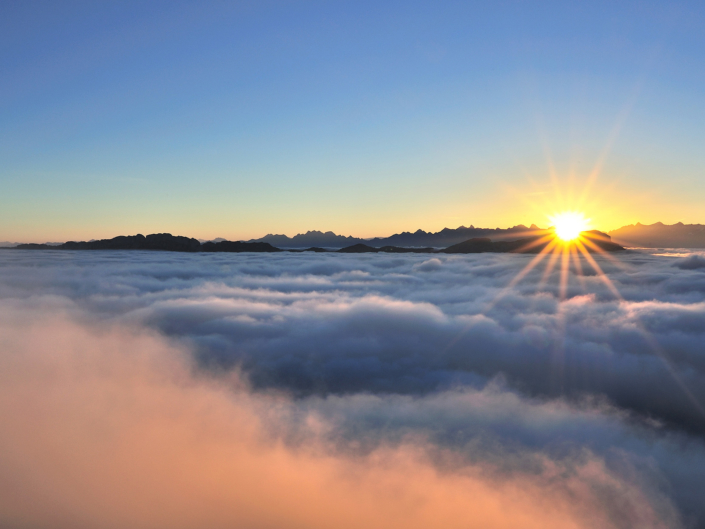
x,y
570,239
568,225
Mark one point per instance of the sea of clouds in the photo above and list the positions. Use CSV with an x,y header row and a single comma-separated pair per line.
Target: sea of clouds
x,y
157,389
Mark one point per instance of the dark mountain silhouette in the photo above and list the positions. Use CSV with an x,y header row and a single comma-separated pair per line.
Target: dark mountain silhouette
x,y
156,241
601,240
448,237
230,246
8,244
656,235
534,244
309,239
358,248
660,235
167,242
445,237
481,245
592,241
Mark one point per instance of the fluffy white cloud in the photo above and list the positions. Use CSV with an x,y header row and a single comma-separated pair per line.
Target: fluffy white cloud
x,y
381,352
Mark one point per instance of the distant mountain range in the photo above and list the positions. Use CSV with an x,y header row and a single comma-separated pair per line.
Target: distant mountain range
x,y
536,242
156,241
660,235
656,235
419,239
8,244
310,238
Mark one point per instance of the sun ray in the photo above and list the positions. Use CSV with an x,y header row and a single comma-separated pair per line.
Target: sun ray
x,y
651,341
528,268
603,277
549,267
578,267
586,240
565,263
534,244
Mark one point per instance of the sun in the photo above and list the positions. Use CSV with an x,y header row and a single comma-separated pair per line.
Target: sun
x,y
569,224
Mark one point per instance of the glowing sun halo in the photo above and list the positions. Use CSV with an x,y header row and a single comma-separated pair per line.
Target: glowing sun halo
x,y
568,225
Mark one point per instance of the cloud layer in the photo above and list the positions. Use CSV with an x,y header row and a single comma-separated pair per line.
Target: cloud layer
x,y
350,375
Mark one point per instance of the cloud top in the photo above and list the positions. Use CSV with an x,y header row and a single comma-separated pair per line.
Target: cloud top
x,y
152,379
110,427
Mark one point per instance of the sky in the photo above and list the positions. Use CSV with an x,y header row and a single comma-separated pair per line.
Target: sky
x,y
238,119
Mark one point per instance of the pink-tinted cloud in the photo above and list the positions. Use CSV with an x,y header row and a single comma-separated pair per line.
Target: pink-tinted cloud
x,y
111,426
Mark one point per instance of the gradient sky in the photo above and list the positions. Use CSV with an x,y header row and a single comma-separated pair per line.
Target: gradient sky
x,y
237,119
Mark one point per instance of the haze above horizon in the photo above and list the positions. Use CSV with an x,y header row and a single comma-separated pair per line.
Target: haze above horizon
x,y
365,119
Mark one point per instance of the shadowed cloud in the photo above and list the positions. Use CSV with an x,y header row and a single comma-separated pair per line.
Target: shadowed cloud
x,y
375,358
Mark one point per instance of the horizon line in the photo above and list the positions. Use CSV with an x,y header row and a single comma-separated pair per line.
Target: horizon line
x,y
532,226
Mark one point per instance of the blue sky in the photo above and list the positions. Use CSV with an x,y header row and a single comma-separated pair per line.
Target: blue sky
x,y
238,119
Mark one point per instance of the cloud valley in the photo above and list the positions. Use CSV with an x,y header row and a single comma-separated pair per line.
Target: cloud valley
x,y
157,389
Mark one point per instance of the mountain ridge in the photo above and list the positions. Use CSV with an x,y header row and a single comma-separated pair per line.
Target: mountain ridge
x,y
656,235
419,238
660,235
538,241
